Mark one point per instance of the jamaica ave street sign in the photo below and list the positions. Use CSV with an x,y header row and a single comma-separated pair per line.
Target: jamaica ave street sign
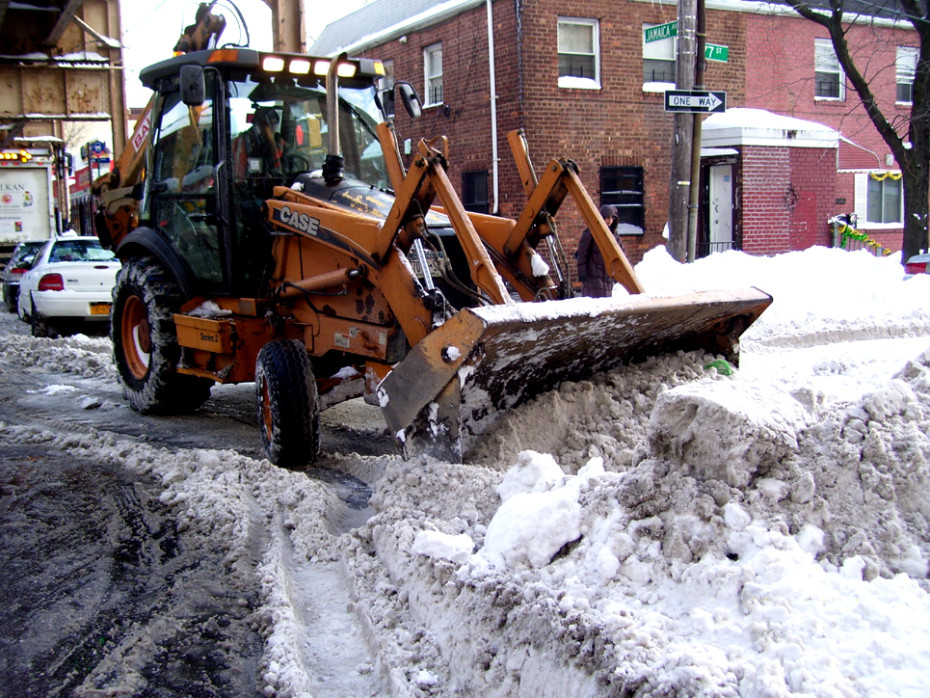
x,y
669,30
697,101
661,31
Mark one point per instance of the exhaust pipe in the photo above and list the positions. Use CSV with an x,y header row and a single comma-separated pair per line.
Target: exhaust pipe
x,y
334,167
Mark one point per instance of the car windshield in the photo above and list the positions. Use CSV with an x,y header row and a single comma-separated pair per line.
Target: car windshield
x,y
25,253
295,116
79,251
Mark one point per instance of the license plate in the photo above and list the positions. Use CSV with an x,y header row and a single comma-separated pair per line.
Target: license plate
x,y
99,308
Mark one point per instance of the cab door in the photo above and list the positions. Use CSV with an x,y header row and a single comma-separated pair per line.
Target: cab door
x,y
182,189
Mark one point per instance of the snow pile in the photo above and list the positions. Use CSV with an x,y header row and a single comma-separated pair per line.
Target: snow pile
x,y
672,528
820,293
89,357
667,529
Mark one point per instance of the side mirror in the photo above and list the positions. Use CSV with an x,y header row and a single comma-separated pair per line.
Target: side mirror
x,y
411,99
193,90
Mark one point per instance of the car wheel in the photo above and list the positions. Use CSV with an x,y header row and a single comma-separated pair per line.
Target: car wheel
x,y
288,404
145,341
39,326
21,309
9,298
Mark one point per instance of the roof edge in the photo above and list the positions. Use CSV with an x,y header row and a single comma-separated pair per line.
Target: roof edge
x,y
422,20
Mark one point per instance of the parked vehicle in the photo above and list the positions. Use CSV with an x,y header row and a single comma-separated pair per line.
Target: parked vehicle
x,y
70,284
20,262
27,208
918,264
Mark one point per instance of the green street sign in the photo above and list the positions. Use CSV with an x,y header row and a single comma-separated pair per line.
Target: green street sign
x,y
661,31
714,52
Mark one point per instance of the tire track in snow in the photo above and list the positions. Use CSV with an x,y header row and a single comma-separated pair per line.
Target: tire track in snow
x,y
313,640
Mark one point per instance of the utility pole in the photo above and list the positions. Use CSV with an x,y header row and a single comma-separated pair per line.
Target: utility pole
x,y
694,200
680,185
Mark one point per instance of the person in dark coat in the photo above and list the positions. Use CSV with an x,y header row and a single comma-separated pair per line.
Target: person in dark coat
x,y
595,281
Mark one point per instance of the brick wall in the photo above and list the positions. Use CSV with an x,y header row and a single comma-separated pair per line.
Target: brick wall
x,y
617,125
788,197
813,191
781,76
766,212
620,124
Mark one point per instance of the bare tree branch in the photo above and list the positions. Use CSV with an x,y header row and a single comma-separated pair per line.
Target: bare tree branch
x,y
912,149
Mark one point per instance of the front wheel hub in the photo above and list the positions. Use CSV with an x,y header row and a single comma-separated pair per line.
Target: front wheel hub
x,y
136,336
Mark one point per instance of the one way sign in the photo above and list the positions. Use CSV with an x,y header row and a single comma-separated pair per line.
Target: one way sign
x,y
696,101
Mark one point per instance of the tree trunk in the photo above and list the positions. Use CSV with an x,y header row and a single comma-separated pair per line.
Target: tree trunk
x,y
916,185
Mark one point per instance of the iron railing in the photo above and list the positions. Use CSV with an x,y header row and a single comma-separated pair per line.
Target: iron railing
x,y
704,249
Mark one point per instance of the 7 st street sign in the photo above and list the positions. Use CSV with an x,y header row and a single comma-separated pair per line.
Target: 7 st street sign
x,y
695,101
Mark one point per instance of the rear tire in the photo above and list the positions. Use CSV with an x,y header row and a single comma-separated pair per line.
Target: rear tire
x,y
288,404
145,341
9,298
38,325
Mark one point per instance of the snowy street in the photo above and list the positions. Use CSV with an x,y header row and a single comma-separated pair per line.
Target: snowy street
x,y
662,530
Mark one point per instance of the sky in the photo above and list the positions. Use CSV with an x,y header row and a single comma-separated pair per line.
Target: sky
x,y
664,529
151,29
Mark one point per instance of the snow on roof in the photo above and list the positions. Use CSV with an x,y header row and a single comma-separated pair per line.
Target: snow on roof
x,y
382,20
64,59
744,126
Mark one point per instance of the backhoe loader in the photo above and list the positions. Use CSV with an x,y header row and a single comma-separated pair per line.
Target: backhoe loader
x,y
271,232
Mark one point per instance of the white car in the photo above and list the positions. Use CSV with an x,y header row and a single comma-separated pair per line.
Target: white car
x,y
70,283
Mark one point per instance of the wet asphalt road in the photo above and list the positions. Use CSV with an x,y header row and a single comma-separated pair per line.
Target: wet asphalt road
x,y
101,593
96,579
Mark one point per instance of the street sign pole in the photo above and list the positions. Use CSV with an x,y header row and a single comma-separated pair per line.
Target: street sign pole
x,y
680,179
692,52
696,136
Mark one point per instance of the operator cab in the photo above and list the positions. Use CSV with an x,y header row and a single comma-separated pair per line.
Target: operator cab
x,y
230,125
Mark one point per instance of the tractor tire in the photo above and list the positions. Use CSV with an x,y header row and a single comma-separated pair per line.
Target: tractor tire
x,y
145,341
288,404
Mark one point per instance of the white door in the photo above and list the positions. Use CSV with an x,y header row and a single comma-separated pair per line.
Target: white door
x,y
720,231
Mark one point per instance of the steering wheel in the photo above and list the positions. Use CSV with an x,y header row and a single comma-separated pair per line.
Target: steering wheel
x,y
295,162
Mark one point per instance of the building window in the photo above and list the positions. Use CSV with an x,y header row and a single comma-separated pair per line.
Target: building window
x,y
659,59
623,188
579,49
884,201
828,77
905,68
475,191
432,71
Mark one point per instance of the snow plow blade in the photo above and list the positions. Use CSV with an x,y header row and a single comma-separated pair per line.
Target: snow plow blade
x,y
454,384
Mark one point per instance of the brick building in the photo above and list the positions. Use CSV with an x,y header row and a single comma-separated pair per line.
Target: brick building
x,y
579,79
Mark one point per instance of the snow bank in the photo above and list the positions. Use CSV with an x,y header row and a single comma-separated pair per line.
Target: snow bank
x,y
667,530
662,530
